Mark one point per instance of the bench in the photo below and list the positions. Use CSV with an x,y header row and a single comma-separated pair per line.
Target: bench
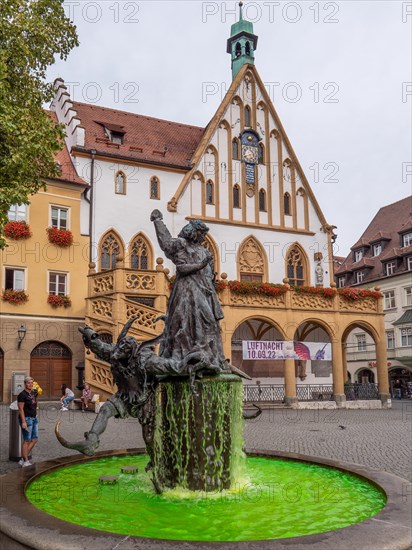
x,y
93,405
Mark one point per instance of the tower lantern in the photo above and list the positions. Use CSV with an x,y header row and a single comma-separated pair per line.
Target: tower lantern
x,y
242,43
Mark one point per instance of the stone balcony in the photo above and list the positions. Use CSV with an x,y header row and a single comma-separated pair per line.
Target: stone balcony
x,y
119,294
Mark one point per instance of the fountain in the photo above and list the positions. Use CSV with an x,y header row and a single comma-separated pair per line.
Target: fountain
x,y
193,481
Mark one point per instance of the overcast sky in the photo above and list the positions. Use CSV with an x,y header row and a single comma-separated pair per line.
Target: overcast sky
x,y
337,73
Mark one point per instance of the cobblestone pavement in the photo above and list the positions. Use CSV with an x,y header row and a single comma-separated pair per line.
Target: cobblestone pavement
x,y
380,439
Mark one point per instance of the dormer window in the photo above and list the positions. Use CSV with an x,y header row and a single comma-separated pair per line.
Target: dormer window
x,y
358,255
359,276
116,137
341,281
407,239
377,249
390,268
114,132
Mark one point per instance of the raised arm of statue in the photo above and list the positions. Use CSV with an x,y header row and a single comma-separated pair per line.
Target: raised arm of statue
x,y
166,242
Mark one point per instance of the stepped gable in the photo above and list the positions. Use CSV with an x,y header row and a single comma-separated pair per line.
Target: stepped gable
x,y
145,139
386,227
68,171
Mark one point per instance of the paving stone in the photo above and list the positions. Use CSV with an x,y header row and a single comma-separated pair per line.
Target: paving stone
x,y
380,439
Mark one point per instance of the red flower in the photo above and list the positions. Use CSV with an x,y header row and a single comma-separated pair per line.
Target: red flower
x,y
325,292
354,294
61,237
17,230
240,287
56,300
15,296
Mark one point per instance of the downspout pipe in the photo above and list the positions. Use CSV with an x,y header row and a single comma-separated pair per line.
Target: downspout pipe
x,y
91,201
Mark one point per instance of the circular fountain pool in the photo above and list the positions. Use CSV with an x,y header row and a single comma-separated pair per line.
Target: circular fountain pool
x,y
275,499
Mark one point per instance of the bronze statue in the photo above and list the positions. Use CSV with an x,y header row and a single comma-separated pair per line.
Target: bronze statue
x,y
194,312
190,344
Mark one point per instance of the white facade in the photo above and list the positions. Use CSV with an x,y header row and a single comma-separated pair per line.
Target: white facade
x,y
275,230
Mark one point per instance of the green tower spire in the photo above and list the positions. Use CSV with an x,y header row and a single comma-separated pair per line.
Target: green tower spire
x,y
242,43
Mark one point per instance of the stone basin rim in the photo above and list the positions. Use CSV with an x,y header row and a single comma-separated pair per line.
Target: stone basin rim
x,y
25,526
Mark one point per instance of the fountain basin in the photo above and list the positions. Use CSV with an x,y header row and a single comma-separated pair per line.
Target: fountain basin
x,y
388,529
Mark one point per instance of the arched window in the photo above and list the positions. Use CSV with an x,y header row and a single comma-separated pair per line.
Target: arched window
x,y
247,116
210,192
261,153
296,266
235,149
251,261
262,200
236,196
247,49
139,254
286,204
238,50
154,188
120,183
109,251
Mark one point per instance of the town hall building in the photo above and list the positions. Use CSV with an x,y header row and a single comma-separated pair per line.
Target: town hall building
x,y
271,243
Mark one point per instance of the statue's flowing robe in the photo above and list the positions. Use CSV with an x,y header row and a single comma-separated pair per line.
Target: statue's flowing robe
x,y
193,314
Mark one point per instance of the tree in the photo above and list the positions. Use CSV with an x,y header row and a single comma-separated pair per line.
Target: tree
x,y
32,33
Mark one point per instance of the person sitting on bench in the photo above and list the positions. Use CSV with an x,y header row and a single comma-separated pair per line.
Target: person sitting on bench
x,y
86,397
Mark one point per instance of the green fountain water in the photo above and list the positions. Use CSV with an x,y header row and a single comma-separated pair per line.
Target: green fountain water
x,y
275,499
198,435
198,443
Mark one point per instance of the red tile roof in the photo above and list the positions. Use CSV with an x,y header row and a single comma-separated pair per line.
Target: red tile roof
x,y
146,139
337,262
386,226
68,171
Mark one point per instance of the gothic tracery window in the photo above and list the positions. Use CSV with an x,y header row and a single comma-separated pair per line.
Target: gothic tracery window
x,y
109,251
296,267
139,257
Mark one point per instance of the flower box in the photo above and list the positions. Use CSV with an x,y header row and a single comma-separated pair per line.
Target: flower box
x,y
17,230
15,297
355,294
59,301
240,287
61,237
317,291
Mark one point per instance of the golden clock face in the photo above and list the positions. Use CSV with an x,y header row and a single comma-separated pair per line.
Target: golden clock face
x,y
250,154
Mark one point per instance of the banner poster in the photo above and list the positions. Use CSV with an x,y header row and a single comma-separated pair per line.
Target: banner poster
x,y
306,351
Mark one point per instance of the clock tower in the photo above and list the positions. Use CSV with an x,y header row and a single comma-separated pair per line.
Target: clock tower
x,y
242,43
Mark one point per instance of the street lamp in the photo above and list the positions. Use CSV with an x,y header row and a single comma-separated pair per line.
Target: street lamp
x,y
21,332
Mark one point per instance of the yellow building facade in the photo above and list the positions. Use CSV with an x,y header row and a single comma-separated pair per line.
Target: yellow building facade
x,y
38,337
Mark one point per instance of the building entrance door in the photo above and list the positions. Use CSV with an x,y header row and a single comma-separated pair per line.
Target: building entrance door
x,y
51,366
